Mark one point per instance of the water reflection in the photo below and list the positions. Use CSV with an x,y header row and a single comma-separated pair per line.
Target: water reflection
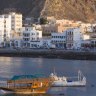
x,y
13,66
26,95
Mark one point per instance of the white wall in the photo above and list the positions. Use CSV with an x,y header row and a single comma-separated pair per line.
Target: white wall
x,y
31,36
77,38
59,39
16,20
73,38
5,27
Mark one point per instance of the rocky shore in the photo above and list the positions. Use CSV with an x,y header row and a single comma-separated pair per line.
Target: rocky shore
x,y
49,53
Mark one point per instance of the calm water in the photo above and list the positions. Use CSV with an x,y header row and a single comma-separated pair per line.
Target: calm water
x,y
13,66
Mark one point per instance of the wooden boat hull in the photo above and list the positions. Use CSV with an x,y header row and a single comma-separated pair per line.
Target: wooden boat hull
x,y
24,90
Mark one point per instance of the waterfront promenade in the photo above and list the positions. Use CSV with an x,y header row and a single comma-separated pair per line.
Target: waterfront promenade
x,y
50,53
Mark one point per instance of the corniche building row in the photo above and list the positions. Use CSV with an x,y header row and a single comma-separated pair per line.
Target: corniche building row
x,y
64,34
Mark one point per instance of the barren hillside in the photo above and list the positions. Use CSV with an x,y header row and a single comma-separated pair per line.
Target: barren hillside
x,y
84,10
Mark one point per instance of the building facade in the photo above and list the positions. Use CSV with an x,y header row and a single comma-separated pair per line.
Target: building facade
x,y
31,37
9,23
59,39
73,38
16,21
5,29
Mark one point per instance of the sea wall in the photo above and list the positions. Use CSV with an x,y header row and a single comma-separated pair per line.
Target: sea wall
x,y
49,53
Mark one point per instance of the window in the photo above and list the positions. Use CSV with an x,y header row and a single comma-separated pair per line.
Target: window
x,y
37,33
37,38
92,41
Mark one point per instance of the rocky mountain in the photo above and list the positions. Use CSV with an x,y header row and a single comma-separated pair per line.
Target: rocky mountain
x,y
84,10
26,7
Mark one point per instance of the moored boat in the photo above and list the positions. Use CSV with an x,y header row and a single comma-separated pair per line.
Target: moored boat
x,y
68,81
24,84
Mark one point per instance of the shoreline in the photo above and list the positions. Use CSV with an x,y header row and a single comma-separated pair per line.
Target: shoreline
x,y
49,53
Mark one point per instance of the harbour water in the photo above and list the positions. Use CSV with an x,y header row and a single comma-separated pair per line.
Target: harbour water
x,y
10,66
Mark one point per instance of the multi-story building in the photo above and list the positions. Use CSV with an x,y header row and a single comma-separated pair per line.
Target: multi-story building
x,y
73,38
16,39
9,23
29,21
89,37
5,29
59,39
16,21
59,25
65,24
31,37
49,28
86,28
46,42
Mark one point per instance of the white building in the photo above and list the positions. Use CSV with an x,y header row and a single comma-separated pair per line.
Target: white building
x,y
5,29
59,39
16,21
16,43
42,43
73,38
46,42
9,23
89,43
85,28
31,37
86,36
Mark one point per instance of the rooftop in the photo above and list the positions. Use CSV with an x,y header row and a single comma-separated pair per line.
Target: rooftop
x,y
19,77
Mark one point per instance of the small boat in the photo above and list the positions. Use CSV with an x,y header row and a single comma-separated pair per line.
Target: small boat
x,y
27,84
80,80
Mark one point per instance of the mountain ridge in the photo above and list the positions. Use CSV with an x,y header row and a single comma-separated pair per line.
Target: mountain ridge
x,y
83,10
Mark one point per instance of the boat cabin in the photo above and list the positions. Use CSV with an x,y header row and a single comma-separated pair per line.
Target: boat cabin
x,y
28,81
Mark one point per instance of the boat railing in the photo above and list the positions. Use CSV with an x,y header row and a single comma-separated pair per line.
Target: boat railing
x,y
81,77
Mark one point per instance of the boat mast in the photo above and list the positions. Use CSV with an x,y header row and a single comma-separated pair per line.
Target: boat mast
x,y
79,75
54,71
